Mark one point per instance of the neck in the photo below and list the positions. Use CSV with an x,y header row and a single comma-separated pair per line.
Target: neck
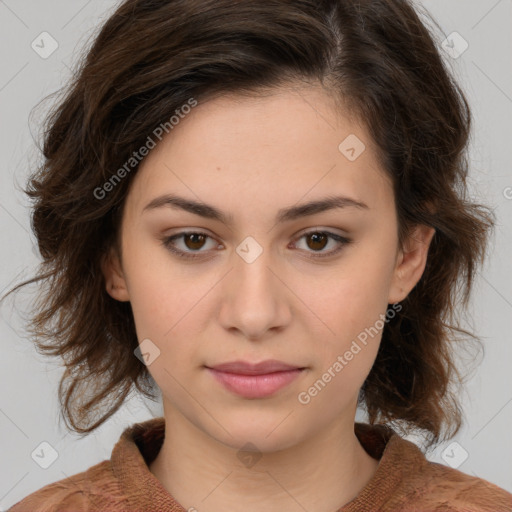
x,y
322,474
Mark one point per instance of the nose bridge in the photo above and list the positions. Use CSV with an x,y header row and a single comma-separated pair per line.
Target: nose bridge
x,y
252,271
254,302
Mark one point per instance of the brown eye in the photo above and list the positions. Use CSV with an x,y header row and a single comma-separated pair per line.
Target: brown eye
x,y
191,242
318,241
194,241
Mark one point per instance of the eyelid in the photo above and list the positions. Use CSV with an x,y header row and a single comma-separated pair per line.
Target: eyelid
x,y
320,229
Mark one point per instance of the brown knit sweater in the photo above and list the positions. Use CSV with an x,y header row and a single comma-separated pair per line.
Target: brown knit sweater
x,y
405,481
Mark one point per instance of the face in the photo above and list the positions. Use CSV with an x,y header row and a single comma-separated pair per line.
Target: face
x,y
257,276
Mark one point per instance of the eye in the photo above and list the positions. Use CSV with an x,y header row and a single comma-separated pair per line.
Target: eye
x,y
318,240
194,241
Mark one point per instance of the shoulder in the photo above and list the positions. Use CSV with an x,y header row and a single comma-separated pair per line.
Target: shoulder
x,y
429,485
92,490
406,481
462,492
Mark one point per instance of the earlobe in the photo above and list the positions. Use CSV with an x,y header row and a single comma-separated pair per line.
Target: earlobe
x,y
115,283
411,262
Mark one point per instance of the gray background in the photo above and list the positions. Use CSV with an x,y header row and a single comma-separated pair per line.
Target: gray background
x,y
29,411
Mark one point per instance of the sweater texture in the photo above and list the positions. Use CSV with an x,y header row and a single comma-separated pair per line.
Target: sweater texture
x,y
405,481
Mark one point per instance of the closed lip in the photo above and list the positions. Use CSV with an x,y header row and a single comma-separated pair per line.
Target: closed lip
x,y
262,368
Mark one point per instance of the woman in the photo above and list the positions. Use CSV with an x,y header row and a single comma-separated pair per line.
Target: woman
x,y
258,207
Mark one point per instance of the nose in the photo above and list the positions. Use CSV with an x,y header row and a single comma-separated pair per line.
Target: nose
x,y
254,297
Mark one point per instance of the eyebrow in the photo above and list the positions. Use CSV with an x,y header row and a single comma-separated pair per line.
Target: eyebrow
x,y
283,215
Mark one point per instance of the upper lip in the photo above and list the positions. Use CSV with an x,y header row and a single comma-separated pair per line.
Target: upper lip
x,y
246,368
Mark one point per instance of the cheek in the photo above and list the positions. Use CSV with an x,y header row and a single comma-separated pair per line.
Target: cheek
x,y
168,309
162,315
354,312
350,298
154,297
351,304
336,386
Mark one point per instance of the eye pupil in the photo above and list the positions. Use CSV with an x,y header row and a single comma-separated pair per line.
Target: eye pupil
x,y
316,237
194,237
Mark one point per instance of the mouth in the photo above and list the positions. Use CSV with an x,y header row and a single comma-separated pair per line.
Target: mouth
x,y
258,380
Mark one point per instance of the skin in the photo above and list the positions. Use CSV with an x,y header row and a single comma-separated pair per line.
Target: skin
x,y
251,157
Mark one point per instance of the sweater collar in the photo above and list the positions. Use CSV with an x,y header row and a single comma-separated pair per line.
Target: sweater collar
x,y
140,443
138,447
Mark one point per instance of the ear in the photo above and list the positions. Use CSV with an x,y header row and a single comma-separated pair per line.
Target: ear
x,y
115,282
411,262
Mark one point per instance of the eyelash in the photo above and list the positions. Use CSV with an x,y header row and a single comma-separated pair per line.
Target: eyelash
x,y
168,243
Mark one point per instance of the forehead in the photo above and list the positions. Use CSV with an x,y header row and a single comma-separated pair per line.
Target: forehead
x,y
271,150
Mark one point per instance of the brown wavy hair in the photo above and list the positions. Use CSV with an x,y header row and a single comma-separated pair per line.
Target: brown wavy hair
x,y
148,59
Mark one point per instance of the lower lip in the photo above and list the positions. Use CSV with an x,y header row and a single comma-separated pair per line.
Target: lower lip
x,y
255,386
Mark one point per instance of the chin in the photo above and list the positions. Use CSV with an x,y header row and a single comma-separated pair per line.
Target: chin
x,y
266,436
